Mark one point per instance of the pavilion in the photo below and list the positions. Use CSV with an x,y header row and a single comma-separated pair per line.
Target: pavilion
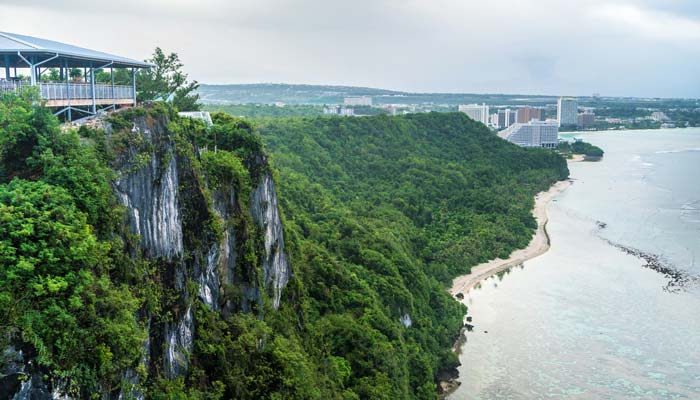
x,y
20,52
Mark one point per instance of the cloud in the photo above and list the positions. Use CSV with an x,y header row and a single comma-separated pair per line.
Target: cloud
x,y
632,47
652,24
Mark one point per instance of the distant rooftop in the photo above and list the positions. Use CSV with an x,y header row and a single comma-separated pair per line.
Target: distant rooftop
x,y
11,44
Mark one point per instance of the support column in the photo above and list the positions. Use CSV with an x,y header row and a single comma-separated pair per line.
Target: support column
x,y
7,67
70,116
111,74
133,83
32,72
92,87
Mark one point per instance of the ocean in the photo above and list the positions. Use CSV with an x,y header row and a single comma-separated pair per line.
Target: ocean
x,y
588,320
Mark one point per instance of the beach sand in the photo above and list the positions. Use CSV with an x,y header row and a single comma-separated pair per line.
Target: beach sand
x,y
538,245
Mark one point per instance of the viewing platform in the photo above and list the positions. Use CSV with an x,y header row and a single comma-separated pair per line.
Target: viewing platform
x,y
72,72
59,94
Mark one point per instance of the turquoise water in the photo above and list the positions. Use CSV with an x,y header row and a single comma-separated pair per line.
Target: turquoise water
x,y
586,320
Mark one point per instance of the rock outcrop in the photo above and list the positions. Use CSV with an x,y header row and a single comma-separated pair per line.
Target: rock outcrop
x,y
191,235
169,211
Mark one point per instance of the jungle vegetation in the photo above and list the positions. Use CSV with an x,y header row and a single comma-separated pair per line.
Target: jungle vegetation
x,y
379,213
580,147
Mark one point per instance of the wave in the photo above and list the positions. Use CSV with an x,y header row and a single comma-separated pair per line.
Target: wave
x,y
677,150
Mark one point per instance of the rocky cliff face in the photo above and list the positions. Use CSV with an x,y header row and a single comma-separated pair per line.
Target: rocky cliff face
x,y
190,234
266,214
21,379
168,210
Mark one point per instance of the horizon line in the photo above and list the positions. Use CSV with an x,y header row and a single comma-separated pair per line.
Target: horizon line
x,y
450,93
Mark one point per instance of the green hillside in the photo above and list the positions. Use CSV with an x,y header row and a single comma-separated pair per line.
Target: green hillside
x,y
384,211
463,194
377,214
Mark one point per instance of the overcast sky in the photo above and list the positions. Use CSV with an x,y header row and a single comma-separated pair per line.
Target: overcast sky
x,y
559,47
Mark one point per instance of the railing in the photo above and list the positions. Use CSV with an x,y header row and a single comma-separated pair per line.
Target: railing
x,y
59,91
11,86
79,91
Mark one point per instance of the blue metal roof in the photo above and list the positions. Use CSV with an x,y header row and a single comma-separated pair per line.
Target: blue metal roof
x,y
11,43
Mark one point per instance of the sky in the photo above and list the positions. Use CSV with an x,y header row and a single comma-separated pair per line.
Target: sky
x,y
638,48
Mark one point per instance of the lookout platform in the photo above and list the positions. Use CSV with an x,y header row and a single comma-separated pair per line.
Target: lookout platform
x,y
25,61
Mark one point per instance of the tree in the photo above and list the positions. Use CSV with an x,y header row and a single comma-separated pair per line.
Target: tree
x,y
166,81
52,75
122,76
76,74
26,130
54,294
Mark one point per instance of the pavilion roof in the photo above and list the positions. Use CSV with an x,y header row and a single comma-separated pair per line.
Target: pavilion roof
x,y
11,44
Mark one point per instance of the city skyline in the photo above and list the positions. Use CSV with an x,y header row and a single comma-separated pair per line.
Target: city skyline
x,y
634,48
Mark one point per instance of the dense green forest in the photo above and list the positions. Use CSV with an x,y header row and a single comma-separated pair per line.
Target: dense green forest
x,y
379,213
270,110
403,204
459,194
265,110
580,147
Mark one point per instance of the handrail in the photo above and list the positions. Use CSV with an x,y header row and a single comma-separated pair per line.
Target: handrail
x,y
78,91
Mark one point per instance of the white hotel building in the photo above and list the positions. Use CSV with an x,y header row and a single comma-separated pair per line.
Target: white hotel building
x,y
567,111
479,113
535,133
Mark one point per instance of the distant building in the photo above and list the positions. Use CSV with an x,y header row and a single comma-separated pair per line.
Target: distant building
x,y
659,116
506,118
338,110
494,120
476,112
390,108
533,134
201,115
501,119
358,101
567,111
585,120
510,117
527,114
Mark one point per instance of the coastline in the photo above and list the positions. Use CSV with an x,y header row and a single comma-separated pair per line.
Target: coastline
x,y
539,244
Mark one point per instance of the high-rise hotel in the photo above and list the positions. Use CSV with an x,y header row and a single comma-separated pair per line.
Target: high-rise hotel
x,y
476,112
533,134
567,111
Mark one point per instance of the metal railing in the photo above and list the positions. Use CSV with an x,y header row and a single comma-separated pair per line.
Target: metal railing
x,y
80,91
11,86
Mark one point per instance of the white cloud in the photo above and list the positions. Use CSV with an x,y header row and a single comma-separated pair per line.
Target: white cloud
x,y
633,47
652,24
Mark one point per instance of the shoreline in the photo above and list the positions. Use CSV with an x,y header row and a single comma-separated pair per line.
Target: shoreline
x,y
539,244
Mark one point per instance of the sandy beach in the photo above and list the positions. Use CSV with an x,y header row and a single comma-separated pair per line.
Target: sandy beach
x,y
538,245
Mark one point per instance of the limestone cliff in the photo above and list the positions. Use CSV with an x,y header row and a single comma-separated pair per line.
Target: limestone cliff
x,y
191,232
